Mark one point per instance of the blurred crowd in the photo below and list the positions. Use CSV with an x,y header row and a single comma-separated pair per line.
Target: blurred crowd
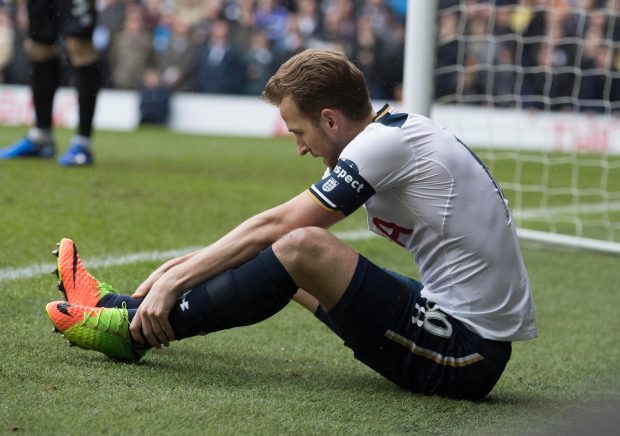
x,y
543,54
224,46
560,55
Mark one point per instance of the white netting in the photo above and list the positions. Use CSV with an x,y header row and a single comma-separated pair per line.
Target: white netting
x,y
553,55
541,79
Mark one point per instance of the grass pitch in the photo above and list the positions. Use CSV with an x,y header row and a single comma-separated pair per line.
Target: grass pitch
x,y
154,191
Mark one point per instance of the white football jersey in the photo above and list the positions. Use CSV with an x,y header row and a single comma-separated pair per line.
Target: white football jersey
x,y
425,190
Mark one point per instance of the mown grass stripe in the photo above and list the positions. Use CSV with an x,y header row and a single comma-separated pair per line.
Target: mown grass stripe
x,y
29,271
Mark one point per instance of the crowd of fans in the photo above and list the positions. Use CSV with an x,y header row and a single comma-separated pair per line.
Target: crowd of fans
x,y
225,46
547,54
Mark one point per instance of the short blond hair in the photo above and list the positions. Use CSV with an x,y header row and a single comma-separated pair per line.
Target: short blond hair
x,y
320,79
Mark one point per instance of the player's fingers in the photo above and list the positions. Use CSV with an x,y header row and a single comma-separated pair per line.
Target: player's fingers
x,y
135,329
159,335
144,287
149,333
140,292
168,331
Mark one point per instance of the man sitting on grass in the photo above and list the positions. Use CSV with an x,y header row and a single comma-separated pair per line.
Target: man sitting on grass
x,y
422,188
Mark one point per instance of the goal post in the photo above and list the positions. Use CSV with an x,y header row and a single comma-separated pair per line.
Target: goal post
x,y
419,62
534,87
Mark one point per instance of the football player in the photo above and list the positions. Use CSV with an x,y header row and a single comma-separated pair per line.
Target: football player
x,y
74,21
448,333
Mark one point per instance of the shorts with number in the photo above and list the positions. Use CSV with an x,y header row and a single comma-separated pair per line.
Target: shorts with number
x,y
50,19
394,330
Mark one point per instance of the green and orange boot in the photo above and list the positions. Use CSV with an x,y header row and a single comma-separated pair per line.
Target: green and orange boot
x,y
101,329
75,282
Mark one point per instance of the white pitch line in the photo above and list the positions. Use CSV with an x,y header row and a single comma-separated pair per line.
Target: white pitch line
x,y
37,269
559,210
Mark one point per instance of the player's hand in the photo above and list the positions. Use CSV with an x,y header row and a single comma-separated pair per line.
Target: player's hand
x,y
151,319
146,286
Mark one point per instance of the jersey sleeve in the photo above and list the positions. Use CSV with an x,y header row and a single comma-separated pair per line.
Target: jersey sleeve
x,y
344,189
382,155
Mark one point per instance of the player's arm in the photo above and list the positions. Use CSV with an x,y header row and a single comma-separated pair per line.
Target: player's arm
x,y
245,241
235,248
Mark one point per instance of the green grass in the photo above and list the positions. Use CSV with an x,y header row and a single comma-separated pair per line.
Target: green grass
x,y
156,190
546,181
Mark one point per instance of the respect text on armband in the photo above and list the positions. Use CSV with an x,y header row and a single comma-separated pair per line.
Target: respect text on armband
x,y
343,174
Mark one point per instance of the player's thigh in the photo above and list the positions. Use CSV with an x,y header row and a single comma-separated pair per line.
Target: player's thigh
x,y
391,328
81,51
43,21
375,301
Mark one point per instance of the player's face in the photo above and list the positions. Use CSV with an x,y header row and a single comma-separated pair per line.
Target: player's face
x,y
310,137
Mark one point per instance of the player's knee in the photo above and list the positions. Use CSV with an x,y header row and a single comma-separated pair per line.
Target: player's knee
x,y
39,51
81,51
302,245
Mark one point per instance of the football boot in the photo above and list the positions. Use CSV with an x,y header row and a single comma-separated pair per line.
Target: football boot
x,y
77,155
75,282
101,329
26,147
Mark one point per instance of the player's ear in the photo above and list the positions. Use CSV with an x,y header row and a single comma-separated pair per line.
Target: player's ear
x,y
329,117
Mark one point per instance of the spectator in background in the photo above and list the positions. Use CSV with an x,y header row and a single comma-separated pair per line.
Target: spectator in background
x,y
177,60
330,36
367,50
154,98
259,62
242,27
595,80
162,32
504,76
391,76
18,69
109,24
308,18
272,18
447,56
220,67
6,40
479,48
191,11
502,23
131,51
347,18
293,43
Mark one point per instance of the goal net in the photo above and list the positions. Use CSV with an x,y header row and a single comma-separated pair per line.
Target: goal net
x,y
534,87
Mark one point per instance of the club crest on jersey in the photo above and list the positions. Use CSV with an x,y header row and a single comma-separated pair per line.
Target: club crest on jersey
x,y
329,185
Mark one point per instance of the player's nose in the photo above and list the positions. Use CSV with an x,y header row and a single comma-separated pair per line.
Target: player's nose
x,y
302,148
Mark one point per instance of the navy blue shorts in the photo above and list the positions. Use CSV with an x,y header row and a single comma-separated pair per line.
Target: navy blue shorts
x,y
394,330
50,19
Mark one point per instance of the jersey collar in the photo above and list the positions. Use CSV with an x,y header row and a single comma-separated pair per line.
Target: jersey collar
x,y
386,109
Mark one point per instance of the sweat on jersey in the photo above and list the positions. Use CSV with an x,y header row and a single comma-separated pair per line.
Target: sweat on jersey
x,y
423,189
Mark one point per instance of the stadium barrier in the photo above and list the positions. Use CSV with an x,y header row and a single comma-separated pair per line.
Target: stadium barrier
x,y
249,116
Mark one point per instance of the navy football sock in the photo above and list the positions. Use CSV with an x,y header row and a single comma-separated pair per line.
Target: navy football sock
x,y
87,83
243,296
44,81
117,300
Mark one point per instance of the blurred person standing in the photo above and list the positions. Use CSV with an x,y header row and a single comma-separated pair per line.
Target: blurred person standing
x,y
6,40
74,21
154,98
272,18
177,60
18,70
260,65
220,66
131,51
